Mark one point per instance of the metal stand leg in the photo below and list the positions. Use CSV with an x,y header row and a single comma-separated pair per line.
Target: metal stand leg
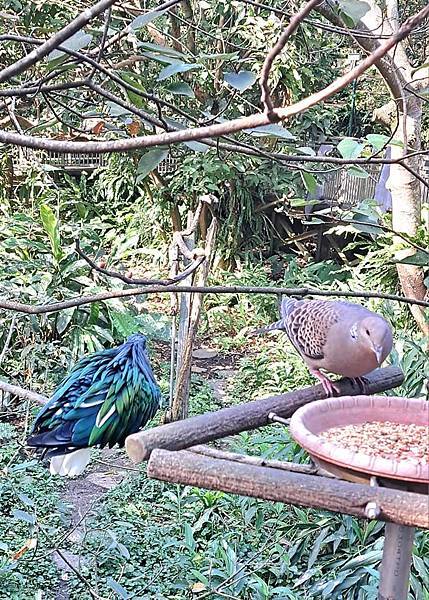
x,y
396,563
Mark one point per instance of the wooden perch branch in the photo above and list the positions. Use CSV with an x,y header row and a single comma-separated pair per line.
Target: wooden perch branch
x,y
188,468
229,421
15,390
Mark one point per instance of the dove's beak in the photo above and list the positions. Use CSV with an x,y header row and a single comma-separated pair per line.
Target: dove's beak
x,y
378,351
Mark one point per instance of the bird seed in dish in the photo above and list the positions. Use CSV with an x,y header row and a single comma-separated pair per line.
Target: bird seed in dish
x,y
394,441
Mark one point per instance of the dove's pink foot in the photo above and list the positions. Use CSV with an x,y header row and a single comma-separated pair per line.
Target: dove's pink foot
x,y
329,387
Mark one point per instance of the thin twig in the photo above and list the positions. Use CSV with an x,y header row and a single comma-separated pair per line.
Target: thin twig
x,y
8,338
136,281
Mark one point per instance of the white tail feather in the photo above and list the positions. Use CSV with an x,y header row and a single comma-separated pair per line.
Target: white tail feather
x,y
72,464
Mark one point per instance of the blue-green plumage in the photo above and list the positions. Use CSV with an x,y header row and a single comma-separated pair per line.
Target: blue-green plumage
x,y
107,396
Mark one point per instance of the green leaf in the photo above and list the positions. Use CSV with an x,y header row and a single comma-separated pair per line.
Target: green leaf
x,y
115,110
76,42
142,20
50,224
175,68
149,161
23,516
307,150
420,258
355,9
124,323
63,319
197,146
189,536
26,500
309,181
118,588
181,88
349,148
271,131
219,55
356,171
163,50
240,81
379,141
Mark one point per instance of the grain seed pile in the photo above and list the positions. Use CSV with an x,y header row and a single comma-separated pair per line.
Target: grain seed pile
x,y
395,441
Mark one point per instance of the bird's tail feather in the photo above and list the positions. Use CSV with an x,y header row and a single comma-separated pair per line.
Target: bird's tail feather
x,y
278,325
70,465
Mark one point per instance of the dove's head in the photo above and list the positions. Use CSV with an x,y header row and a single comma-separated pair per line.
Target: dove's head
x,y
375,334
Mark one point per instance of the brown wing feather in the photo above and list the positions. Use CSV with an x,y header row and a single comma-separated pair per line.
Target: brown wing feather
x,y
307,324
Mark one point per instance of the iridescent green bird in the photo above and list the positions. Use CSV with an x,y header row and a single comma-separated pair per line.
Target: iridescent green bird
x,y
107,396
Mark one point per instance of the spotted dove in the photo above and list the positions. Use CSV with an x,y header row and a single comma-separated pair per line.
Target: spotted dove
x,y
339,337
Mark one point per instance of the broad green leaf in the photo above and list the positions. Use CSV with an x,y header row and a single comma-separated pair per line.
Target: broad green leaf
x,y
309,181
124,323
50,224
181,88
349,148
142,20
175,68
26,500
76,42
63,319
272,130
118,588
23,516
240,81
164,50
217,56
357,171
150,161
378,141
297,202
197,146
116,111
420,259
162,58
307,150
355,9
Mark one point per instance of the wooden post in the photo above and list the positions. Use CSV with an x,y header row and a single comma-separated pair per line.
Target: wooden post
x,y
188,468
250,415
190,311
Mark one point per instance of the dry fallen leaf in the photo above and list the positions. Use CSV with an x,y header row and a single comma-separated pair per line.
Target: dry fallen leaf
x,y
198,587
30,544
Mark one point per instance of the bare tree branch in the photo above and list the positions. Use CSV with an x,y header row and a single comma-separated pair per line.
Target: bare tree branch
x,y
211,131
55,41
36,309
